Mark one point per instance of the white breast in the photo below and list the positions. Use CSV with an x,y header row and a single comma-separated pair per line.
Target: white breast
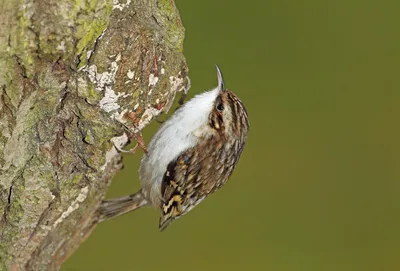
x,y
180,132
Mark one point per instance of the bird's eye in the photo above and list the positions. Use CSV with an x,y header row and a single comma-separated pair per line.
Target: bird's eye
x,y
220,107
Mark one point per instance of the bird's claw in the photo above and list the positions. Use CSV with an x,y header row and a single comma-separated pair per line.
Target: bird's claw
x,y
137,136
139,142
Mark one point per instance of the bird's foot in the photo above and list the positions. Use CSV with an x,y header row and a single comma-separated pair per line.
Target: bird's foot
x,y
137,136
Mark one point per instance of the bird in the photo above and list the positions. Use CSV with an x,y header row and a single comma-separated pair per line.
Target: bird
x,y
191,156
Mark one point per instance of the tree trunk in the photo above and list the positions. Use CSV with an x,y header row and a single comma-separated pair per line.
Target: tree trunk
x,y
70,73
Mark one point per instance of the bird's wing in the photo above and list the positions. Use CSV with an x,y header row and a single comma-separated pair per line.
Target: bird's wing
x,y
191,177
183,186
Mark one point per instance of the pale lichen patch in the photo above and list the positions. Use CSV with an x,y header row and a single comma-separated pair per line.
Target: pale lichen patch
x,y
176,83
61,46
118,58
109,101
104,82
124,95
130,74
152,80
89,54
120,6
120,116
82,84
147,116
104,78
118,142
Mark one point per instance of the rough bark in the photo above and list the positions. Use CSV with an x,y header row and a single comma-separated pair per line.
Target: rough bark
x,y
70,72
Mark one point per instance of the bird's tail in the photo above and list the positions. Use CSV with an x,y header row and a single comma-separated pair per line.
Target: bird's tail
x,y
119,206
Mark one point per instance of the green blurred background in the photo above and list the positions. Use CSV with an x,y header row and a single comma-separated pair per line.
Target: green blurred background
x,y
317,187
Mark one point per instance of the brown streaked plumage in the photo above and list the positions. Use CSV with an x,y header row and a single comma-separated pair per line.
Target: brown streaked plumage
x,y
203,169
191,156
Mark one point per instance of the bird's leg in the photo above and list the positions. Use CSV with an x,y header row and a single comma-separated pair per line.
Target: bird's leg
x,y
139,142
137,136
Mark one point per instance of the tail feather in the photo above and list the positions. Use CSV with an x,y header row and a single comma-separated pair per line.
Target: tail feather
x,y
165,221
119,206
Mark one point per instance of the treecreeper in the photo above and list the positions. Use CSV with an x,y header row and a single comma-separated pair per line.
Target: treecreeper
x,y
191,156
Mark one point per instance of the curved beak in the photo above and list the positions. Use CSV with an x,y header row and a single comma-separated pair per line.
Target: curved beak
x,y
221,84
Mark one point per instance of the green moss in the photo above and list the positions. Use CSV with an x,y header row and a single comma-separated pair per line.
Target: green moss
x,y
93,96
46,174
175,30
87,31
90,27
16,210
135,95
3,262
35,200
67,158
92,4
78,4
89,93
102,133
167,6
20,45
76,179
93,161
89,137
14,215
